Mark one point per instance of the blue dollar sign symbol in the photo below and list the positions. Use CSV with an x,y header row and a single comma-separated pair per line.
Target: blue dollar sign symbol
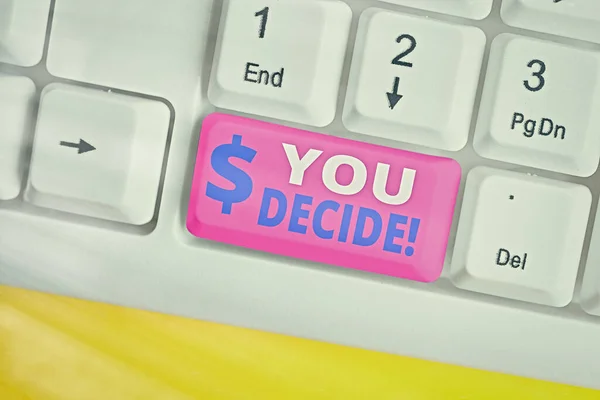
x,y
219,160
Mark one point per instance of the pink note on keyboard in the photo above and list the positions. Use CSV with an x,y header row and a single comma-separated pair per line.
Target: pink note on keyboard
x,y
321,198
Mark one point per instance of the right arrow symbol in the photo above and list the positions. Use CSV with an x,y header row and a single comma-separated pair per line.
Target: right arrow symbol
x,y
393,96
82,146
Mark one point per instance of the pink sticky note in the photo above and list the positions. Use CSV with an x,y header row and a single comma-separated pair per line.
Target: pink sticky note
x,y
321,198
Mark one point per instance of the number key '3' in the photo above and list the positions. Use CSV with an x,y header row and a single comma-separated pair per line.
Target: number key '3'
x,y
539,75
538,106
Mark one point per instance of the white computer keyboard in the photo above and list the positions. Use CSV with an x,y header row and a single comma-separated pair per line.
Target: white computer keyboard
x,y
412,176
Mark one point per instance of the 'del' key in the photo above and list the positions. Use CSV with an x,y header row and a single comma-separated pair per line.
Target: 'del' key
x,y
520,236
321,198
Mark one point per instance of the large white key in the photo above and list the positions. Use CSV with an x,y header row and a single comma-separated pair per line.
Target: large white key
x,y
98,153
474,9
281,58
579,19
539,106
520,236
17,96
152,47
413,79
23,30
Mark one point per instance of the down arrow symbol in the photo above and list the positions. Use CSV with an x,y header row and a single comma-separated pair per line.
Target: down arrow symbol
x,y
393,96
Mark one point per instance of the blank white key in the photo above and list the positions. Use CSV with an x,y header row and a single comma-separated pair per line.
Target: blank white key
x,y
578,19
590,291
474,9
413,79
98,153
17,96
539,106
152,47
281,58
23,30
520,236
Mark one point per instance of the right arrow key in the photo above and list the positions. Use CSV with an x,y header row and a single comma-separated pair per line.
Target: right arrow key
x,y
98,154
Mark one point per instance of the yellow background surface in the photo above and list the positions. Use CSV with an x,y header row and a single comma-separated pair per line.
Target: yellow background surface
x,y
59,348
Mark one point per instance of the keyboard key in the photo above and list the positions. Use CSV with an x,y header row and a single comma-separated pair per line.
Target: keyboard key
x,y
281,58
397,89
474,9
520,236
148,47
539,106
98,154
578,19
590,291
322,198
17,96
23,31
